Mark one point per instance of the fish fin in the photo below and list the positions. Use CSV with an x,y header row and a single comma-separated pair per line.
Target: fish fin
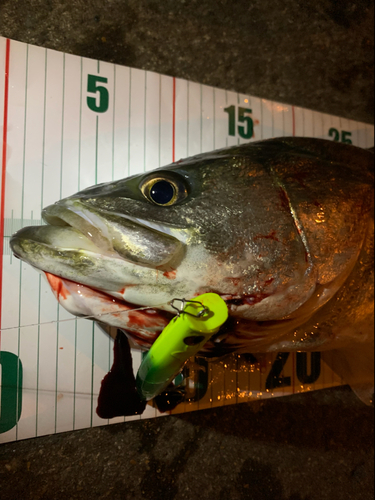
x,y
355,364
118,394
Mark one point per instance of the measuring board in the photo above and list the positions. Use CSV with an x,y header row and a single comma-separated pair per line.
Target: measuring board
x,y
67,123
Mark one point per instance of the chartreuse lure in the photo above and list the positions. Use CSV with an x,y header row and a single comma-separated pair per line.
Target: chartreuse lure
x,y
182,338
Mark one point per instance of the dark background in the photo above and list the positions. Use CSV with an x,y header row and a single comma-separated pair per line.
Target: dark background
x,y
318,446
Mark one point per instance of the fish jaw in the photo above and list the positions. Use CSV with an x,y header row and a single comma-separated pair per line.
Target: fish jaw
x,y
98,250
116,233
66,253
144,326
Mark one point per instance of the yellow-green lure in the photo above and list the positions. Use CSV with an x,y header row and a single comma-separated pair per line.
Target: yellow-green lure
x,y
184,336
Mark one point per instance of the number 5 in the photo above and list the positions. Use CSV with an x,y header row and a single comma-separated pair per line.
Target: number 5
x,y
245,132
346,137
99,103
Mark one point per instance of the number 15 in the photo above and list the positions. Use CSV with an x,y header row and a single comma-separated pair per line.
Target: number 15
x,y
246,131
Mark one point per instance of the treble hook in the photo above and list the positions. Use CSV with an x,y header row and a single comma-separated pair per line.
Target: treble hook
x,y
180,311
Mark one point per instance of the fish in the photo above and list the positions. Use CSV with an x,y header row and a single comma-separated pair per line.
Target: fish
x,y
281,229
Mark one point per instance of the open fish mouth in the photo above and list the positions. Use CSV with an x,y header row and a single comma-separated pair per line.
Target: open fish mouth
x,y
92,247
117,235
91,259
99,251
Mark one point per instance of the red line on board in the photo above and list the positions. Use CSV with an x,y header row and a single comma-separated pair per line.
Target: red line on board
x,y
174,122
3,169
294,121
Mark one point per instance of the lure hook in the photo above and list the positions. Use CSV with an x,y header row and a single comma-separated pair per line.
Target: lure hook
x,y
181,310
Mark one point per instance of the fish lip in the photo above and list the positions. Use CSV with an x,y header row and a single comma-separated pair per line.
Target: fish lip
x,y
64,214
148,311
175,232
91,223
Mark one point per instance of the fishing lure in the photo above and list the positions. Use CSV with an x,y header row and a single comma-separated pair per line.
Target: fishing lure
x,y
196,322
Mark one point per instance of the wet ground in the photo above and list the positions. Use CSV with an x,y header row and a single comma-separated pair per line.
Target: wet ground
x,y
315,446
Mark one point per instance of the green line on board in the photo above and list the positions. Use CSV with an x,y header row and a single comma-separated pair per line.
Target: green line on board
x,y
92,374
57,359
144,125
37,362
159,159
238,102
201,103
109,360
214,105
75,373
61,177
97,140
187,119
41,204
80,130
226,104
11,253
22,210
113,122
96,149
62,128
129,118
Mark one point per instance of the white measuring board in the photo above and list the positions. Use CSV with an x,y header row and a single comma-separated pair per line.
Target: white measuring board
x,y
67,123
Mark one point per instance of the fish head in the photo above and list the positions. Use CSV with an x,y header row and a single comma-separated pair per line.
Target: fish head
x,y
220,222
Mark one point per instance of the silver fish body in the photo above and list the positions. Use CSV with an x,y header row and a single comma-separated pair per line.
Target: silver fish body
x,y
281,229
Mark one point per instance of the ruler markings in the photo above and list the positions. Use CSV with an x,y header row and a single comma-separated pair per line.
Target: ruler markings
x,y
113,122
201,118
80,128
145,124
3,168
214,118
174,122
187,118
22,215
226,104
41,203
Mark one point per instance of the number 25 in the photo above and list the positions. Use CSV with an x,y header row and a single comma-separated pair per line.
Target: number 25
x,y
345,136
99,103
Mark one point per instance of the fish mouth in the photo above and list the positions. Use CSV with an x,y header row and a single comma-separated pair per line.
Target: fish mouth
x,y
102,250
134,240
143,325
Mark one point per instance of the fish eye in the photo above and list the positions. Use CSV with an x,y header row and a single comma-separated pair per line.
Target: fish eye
x,y
163,191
